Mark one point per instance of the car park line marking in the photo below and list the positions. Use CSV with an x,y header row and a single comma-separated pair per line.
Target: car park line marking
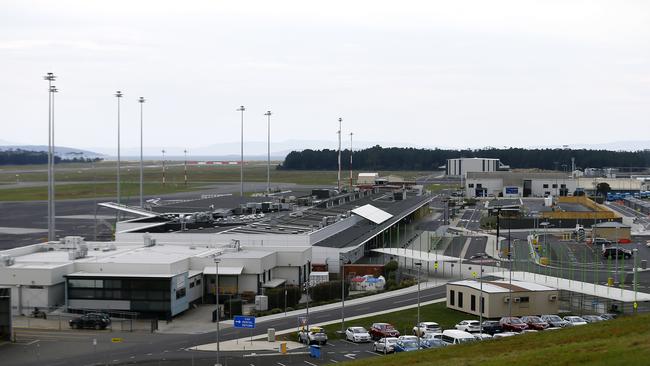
x,y
281,364
309,363
32,342
350,356
334,361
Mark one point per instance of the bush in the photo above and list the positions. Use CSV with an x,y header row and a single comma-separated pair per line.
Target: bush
x,y
290,308
390,267
276,311
391,285
276,296
328,291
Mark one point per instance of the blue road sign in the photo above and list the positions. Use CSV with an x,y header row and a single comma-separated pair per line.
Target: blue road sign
x,y
241,321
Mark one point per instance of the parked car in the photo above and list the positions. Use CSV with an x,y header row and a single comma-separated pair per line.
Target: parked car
x,y
103,315
432,343
491,327
455,336
504,335
408,338
599,241
575,320
608,316
482,336
382,330
315,335
430,336
385,345
469,326
426,327
613,252
406,346
554,321
512,324
357,334
534,322
91,320
38,313
592,318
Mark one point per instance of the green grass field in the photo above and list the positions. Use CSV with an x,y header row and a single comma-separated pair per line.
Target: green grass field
x,y
624,341
104,173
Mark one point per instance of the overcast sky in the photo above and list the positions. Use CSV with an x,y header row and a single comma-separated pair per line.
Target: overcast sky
x,y
446,73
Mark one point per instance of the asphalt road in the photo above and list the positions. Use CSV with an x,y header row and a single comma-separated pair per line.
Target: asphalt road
x,y
40,348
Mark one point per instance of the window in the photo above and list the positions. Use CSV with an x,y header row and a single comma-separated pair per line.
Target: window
x,y
460,299
544,185
471,185
472,303
452,297
482,304
554,185
524,299
562,185
180,293
198,281
192,284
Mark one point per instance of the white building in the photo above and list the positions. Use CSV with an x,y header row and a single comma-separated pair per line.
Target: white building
x,y
143,277
515,184
461,166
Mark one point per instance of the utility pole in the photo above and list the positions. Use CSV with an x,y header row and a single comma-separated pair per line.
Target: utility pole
x,y
118,95
163,167
351,187
339,173
241,160
268,152
342,261
50,77
419,265
216,293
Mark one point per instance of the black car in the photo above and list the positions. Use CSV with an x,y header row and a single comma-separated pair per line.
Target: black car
x,y
91,320
492,327
613,252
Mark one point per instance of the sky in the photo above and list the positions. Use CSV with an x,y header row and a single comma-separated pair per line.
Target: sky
x,y
425,73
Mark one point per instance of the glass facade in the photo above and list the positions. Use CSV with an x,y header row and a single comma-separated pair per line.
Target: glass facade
x,y
147,295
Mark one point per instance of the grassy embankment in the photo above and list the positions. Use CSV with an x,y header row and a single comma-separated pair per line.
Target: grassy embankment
x,y
625,341
82,181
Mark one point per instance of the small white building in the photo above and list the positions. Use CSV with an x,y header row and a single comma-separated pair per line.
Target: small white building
x,y
367,178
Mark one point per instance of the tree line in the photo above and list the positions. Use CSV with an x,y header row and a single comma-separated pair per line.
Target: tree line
x,y
26,157
394,158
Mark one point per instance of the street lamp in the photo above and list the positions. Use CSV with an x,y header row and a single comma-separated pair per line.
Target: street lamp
x,y
482,257
50,77
268,152
351,189
339,156
163,167
216,292
342,260
141,100
241,160
185,167
118,95
419,265
635,251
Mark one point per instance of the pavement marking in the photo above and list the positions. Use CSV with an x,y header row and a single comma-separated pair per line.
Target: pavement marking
x,y
309,363
281,364
405,300
32,342
350,356
335,361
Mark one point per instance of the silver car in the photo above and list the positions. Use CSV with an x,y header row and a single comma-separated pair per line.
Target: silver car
x,y
385,345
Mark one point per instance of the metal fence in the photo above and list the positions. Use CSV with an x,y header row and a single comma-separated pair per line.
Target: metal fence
x,y
57,319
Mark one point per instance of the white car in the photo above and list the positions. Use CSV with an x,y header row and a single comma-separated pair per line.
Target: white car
x,y
575,320
469,326
407,338
357,334
504,335
426,327
428,336
482,336
385,345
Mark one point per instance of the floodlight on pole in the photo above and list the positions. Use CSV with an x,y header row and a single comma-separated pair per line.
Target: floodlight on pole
x,y
53,90
351,187
118,95
338,180
241,159
268,152
50,77
216,293
185,167
163,167
141,100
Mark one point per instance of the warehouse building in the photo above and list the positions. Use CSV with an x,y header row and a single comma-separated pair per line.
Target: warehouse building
x,y
461,166
497,297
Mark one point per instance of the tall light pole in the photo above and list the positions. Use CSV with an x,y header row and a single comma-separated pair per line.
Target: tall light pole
x,y
339,156
268,152
635,251
185,167
53,90
50,77
351,161
419,265
216,292
342,261
482,257
141,101
241,160
163,167
118,95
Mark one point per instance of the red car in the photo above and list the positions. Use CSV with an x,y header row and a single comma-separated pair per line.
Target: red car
x,y
512,324
534,322
382,330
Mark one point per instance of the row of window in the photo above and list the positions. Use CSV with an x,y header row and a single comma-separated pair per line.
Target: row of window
x,y
99,294
553,185
134,284
472,303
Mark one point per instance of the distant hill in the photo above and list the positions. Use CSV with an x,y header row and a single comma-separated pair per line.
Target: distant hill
x,y
60,151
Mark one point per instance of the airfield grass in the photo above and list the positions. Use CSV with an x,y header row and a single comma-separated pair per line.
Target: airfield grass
x,y
624,341
98,180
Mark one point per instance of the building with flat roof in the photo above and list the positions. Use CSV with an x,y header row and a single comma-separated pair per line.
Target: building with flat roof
x,y
146,277
497,297
459,167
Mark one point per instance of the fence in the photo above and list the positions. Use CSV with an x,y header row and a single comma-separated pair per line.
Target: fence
x,y
56,319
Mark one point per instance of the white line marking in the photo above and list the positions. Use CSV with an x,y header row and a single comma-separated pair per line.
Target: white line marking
x,y
309,363
32,342
281,364
350,356
335,361
372,353
405,300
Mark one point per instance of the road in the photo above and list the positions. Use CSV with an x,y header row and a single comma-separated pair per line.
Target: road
x,y
41,348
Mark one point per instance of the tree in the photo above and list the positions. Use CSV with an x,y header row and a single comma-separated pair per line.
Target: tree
x,y
603,188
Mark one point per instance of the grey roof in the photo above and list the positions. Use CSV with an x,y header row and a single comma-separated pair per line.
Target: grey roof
x,y
612,224
517,178
224,202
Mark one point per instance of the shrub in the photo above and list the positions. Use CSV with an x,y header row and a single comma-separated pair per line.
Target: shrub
x,y
276,311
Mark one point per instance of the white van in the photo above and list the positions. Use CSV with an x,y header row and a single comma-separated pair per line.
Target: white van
x,y
454,336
